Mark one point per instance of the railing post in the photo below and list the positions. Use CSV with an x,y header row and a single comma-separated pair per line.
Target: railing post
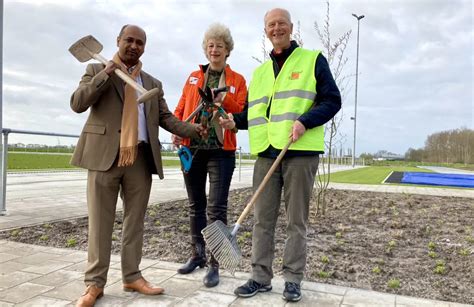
x,y
4,166
240,163
3,171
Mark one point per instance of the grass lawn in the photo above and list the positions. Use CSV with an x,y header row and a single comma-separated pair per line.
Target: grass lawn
x,y
371,174
25,161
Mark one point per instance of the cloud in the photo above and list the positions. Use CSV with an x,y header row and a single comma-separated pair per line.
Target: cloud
x,y
415,63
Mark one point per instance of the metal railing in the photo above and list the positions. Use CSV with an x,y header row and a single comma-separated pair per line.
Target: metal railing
x,y
3,179
4,162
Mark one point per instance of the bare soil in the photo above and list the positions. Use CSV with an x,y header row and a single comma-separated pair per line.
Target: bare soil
x,y
411,245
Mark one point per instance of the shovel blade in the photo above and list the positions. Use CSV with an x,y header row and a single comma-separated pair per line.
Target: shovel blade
x,y
85,48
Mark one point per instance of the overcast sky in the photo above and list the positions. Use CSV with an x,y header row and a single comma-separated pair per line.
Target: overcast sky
x,y
415,61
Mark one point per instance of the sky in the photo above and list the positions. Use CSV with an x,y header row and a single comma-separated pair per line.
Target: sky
x,y
415,60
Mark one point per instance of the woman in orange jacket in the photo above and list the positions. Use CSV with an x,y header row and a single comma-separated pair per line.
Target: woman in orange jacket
x,y
216,155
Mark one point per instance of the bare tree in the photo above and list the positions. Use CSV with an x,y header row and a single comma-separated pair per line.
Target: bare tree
x,y
297,34
265,50
451,146
337,60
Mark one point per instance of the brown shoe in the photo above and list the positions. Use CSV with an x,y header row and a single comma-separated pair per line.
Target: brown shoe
x,y
142,286
89,297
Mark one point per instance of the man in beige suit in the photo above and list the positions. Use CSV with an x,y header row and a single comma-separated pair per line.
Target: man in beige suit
x,y
120,148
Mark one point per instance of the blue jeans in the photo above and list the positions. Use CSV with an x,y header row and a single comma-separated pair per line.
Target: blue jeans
x,y
220,165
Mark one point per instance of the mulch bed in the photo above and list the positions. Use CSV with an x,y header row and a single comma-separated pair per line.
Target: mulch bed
x,y
413,245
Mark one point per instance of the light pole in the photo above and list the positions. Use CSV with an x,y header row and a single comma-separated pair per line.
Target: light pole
x,y
2,167
357,77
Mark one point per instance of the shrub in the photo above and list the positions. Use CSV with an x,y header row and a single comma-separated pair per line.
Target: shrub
x,y
71,242
15,232
323,274
440,267
393,283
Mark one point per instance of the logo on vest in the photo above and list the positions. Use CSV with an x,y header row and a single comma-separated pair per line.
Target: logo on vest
x,y
295,75
193,80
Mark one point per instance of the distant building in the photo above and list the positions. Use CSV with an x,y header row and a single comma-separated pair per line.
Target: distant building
x,y
393,157
36,146
383,155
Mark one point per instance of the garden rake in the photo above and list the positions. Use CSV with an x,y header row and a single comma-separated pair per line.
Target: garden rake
x,y
221,239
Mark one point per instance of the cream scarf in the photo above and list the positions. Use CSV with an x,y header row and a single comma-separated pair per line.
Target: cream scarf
x,y
129,128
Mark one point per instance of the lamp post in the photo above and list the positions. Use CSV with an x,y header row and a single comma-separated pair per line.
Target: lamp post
x,y
2,167
357,77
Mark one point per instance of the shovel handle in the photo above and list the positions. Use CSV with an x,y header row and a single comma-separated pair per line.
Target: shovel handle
x,y
262,185
145,95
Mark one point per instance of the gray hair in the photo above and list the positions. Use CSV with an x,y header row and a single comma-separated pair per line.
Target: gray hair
x,y
287,14
218,31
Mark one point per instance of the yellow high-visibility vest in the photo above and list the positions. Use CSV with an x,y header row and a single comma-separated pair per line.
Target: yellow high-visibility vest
x,y
291,94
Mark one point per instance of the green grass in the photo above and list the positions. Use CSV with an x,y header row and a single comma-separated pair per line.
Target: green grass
x,y
469,167
171,163
19,161
46,149
26,161
371,174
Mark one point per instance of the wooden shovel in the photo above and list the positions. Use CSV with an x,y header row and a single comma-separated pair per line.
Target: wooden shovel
x,y
89,48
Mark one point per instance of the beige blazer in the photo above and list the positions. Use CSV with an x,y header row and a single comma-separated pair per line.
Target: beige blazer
x,y
98,145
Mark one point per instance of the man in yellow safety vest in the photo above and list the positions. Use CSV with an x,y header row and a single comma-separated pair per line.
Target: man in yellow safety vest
x,y
290,96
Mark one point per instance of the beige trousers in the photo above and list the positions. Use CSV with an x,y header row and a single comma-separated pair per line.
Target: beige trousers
x,y
295,176
134,184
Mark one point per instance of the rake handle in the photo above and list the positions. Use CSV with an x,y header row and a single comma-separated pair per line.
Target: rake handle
x,y
262,185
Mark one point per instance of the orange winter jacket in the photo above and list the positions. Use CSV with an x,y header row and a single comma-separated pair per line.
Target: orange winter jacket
x,y
233,102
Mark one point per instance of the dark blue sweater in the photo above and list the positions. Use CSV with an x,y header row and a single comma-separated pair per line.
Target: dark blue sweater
x,y
326,104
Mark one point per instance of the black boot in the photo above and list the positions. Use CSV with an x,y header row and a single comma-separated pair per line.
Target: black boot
x,y
198,259
211,279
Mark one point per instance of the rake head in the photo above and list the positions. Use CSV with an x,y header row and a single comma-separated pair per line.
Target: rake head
x,y
223,245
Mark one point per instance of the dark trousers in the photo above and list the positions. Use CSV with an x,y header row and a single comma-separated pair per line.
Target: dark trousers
x,y
219,164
